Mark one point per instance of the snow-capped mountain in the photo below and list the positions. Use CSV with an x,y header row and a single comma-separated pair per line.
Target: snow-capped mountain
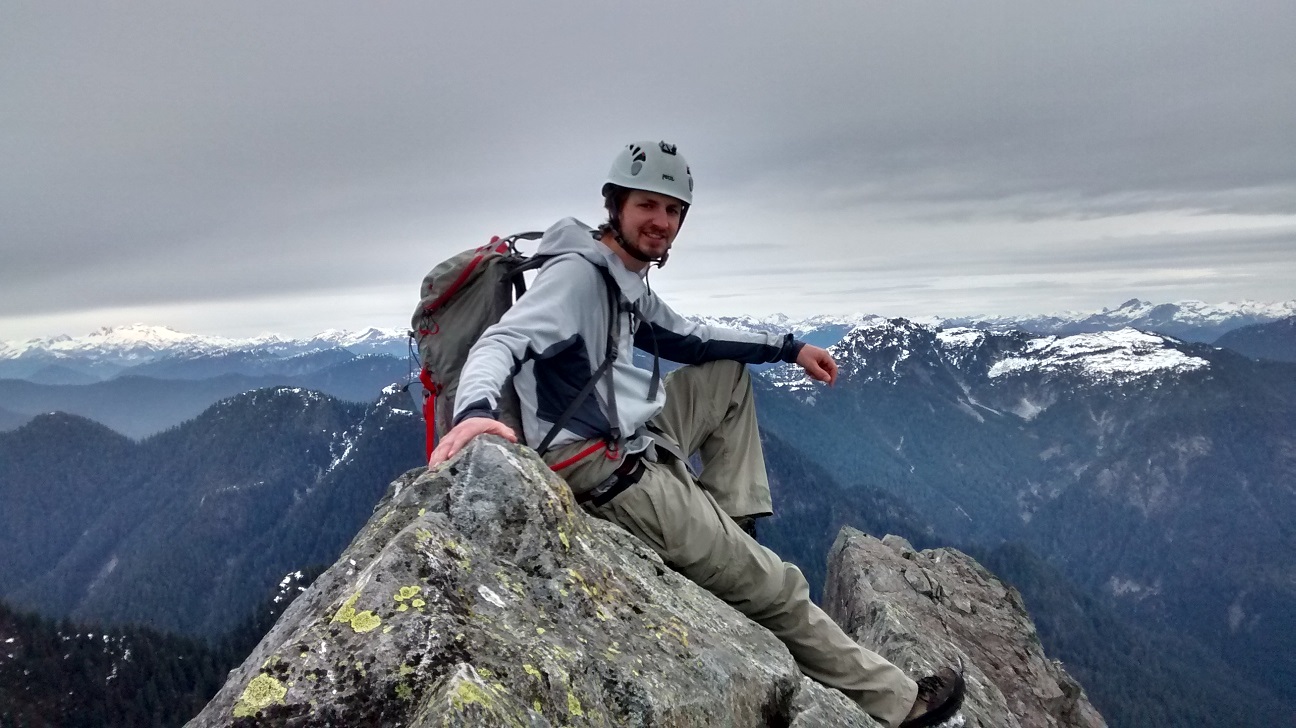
x,y
1188,320
125,345
1154,471
139,343
887,350
113,350
781,324
1116,356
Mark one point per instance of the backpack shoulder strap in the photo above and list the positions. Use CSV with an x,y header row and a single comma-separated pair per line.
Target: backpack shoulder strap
x,y
604,370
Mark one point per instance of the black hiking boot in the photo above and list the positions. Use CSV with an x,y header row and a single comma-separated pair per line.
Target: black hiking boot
x,y
939,698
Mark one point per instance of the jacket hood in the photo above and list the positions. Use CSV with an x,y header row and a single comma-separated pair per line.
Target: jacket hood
x,y
570,235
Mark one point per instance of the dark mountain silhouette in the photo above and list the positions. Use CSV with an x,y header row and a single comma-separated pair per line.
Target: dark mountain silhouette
x,y
1275,341
140,406
185,530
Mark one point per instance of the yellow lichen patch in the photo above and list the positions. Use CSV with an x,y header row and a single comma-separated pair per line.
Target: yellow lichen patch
x,y
538,707
540,630
261,693
469,692
403,608
573,705
530,670
347,612
422,512
486,673
365,621
404,691
406,670
359,621
388,628
406,592
418,603
562,536
422,536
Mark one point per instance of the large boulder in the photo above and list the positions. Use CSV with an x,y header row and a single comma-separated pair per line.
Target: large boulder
x,y
940,607
480,594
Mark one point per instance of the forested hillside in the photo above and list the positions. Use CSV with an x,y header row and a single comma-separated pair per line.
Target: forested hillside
x,y
186,530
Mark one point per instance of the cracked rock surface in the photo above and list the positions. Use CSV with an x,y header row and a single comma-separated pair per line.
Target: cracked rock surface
x,y
480,594
923,610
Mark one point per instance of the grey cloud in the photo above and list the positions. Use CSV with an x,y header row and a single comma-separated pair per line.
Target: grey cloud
x,y
189,153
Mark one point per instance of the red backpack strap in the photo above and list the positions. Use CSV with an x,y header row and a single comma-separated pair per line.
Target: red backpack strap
x,y
429,411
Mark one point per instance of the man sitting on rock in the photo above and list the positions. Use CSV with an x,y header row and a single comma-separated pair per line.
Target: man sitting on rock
x,y
624,452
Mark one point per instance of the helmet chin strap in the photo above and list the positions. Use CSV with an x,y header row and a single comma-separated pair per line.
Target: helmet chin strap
x,y
634,252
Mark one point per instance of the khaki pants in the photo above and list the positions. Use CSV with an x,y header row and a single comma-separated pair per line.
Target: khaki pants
x,y
709,409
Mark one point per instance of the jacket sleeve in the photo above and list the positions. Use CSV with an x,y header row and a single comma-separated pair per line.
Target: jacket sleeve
x,y
688,342
543,321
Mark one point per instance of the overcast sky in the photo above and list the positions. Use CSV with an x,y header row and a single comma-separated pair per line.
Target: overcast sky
x,y
238,168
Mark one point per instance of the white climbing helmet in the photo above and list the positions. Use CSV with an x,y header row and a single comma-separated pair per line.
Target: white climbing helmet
x,y
652,167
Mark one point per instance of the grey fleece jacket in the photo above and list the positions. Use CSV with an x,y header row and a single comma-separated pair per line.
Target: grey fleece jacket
x,y
555,337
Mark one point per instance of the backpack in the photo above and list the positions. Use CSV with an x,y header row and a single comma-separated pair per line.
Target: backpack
x,y
459,299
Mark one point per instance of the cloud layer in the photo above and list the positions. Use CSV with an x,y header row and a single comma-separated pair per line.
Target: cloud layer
x,y
223,165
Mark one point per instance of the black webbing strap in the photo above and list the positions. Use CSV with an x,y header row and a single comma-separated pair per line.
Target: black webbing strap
x,y
614,333
656,372
614,329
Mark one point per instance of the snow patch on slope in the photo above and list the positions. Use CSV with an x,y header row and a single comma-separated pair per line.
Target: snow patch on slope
x,y
1118,356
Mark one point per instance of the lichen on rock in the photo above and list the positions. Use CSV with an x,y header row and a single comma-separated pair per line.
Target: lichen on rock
x,y
503,604
262,692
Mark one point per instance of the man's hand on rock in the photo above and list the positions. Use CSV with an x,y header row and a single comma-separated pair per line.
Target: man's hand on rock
x,y
462,433
818,363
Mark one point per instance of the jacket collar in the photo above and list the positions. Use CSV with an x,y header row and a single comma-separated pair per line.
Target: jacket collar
x,y
570,235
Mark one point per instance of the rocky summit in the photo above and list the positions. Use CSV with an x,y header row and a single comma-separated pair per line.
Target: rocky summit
x,y
939,607
480,594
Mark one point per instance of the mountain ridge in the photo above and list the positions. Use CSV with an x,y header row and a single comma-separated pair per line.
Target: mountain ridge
x,y
137,343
